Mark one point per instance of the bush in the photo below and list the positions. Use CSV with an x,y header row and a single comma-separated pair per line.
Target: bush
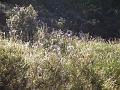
x,y
22,23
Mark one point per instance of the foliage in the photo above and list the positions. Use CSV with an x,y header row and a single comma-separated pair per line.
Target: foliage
x,y
56,60
22,22
12,67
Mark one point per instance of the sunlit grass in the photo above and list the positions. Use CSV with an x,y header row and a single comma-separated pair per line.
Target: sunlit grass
x,y
59,62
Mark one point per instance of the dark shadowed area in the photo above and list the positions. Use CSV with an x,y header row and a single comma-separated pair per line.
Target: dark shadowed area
x,y
98,18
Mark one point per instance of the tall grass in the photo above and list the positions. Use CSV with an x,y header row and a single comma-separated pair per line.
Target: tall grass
x,y
59,62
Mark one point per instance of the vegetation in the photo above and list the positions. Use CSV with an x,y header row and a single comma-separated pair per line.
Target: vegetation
x,y
22,23
99,18
59,62
33,59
